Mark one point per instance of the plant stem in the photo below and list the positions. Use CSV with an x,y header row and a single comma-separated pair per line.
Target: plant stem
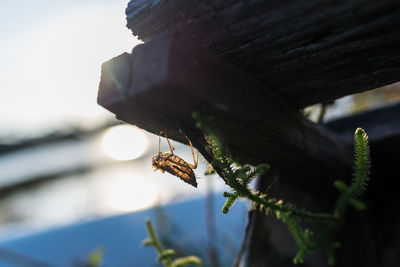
x,y
156,243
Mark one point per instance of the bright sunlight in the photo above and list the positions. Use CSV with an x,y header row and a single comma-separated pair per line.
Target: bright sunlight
x,y
124,142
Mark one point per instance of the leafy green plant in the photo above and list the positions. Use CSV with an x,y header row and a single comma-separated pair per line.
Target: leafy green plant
x,y
95,258
350,194
238,177
165,256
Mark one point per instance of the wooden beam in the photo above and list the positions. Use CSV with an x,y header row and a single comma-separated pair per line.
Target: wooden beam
x,y
305,51
163,81
381,123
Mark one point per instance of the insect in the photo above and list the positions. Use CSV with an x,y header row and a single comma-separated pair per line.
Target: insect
x,y
168,162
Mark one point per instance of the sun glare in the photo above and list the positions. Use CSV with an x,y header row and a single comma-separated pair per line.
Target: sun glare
x,y
124,142
130,194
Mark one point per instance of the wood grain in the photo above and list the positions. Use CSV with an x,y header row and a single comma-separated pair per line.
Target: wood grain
x,y
305,51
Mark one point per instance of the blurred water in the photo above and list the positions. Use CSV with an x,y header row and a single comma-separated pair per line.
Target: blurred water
x,y
106,187
181,226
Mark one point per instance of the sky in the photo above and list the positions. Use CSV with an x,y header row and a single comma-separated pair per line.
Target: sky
x,y
51,54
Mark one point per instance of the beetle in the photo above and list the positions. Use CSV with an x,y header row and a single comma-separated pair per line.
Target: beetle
x,y
173,164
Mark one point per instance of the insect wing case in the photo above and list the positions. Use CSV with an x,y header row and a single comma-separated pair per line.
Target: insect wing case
x,y
178,167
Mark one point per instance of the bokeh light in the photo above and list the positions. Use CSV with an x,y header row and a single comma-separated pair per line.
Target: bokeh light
x,y
124,142
128,193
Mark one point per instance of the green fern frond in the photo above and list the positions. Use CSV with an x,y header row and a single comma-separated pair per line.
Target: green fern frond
x,y
362,163
147,242
186,261
96,258
168,253
302,238
357,204
165,255
229,203
153,239
238,177
341,186
330,253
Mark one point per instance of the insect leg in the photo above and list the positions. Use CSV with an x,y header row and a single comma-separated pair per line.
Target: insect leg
x,y
195,160
159,142
171,147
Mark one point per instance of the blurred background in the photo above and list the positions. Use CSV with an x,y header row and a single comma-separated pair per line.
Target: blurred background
x,y
63,158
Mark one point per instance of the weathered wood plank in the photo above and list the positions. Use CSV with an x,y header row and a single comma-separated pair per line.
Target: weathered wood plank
x,y
163,81
306,51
